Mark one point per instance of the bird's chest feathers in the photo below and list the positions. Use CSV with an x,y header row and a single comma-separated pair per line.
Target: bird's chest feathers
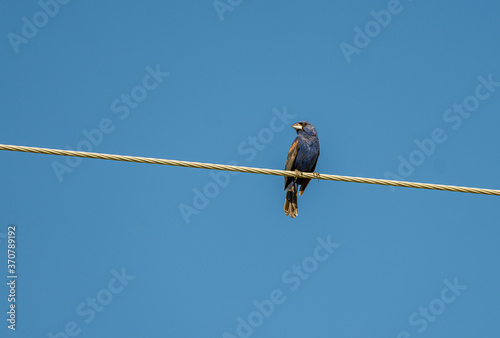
x,y
308,149
306,145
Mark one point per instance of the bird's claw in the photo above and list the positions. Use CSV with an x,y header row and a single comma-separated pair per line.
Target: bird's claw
x,y
316,175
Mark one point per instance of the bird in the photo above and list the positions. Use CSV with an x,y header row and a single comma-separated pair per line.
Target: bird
x,y
302,156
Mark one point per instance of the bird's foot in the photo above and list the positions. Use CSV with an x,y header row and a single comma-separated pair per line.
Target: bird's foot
x,y
316,175
297,173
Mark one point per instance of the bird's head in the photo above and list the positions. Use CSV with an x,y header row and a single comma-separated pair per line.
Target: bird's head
x,y
305,127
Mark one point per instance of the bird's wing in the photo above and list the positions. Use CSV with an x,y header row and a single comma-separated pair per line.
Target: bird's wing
x,y
290,160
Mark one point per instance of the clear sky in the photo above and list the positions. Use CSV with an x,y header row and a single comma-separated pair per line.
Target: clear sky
x,y
405,90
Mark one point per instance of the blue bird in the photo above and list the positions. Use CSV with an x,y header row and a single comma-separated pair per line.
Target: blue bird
x,y
302,156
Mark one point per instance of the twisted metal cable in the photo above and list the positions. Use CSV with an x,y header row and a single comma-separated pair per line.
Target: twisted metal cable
x,y
248,169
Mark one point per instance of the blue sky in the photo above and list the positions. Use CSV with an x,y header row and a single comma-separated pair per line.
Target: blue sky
x,y
407,90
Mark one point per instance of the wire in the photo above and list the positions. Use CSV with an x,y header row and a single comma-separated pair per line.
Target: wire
x,y
248,169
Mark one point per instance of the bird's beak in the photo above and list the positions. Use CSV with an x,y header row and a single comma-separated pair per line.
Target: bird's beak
x,y
297,126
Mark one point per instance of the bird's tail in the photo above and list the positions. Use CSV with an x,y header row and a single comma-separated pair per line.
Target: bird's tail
x,y
291,208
